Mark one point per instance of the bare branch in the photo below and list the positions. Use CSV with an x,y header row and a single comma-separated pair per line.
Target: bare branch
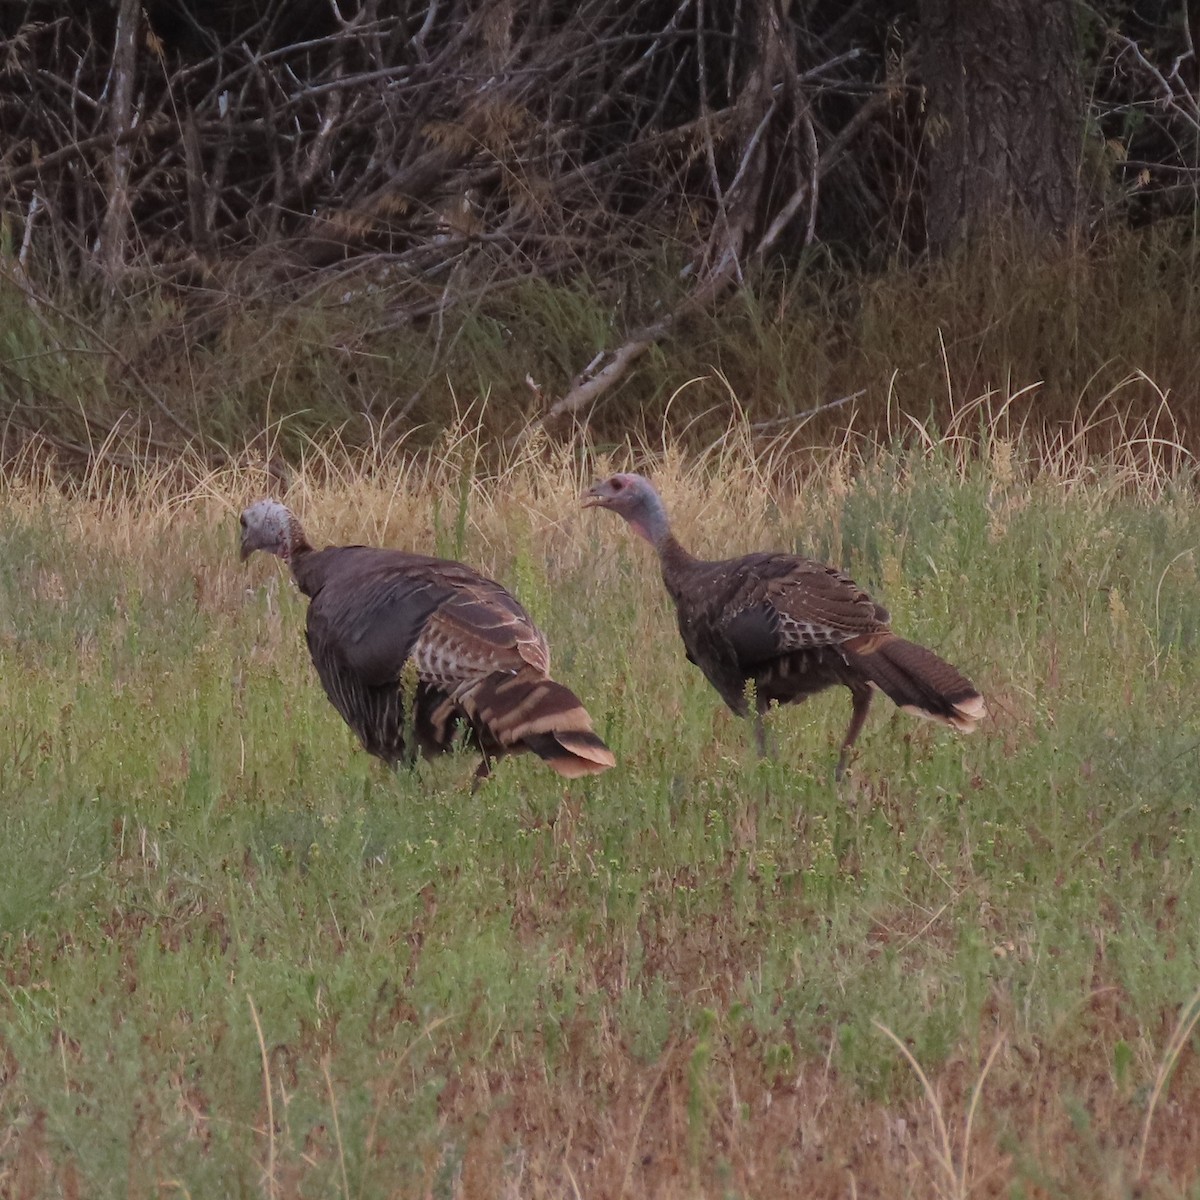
x,y
829,406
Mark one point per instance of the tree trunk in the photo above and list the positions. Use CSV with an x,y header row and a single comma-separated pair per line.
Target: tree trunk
x,y
1005,117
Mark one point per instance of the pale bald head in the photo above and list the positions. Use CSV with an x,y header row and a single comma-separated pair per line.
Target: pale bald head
x,y
270,526
634,498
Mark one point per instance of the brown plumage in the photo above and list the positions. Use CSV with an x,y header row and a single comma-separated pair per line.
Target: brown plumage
x,y
411,650
790,627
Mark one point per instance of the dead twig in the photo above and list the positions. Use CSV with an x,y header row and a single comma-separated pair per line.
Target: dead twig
x,y
829,406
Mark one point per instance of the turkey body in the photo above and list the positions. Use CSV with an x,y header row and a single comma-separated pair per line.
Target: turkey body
x,y
778,628
773,620
413,650
782,628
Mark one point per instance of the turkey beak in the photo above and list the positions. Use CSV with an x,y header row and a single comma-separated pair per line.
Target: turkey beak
x,y
593,497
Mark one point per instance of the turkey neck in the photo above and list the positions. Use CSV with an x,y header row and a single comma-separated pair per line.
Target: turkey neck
x,y
306,563
675,561
650,522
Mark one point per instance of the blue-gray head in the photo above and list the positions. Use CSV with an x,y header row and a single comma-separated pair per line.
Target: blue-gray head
x,y
634,498
271,526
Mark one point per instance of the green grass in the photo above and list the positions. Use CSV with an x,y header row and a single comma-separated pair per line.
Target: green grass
x,y
237,957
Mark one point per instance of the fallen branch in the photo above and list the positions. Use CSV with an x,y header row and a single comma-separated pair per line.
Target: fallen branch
x,y
76,150
596,379
588,387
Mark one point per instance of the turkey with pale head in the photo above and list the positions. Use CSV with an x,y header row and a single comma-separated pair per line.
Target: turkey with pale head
x,y
782,628
412,650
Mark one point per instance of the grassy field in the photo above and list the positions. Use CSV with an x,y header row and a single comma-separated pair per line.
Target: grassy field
x,y
239,958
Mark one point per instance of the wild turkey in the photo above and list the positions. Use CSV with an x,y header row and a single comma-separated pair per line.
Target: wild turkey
x,y
790,626
386,627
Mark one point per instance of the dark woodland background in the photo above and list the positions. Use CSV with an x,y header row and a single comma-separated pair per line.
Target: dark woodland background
x,y
225,218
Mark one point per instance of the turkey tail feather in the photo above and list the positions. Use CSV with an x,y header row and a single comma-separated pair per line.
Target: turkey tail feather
x,y
917,680
530,711
571,754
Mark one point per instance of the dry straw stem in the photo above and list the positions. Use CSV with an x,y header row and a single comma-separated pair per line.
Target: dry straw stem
x,y
364,493
1188,1017
651,1092
337,1126
954,1185
425,1035
1143,455
267,1090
